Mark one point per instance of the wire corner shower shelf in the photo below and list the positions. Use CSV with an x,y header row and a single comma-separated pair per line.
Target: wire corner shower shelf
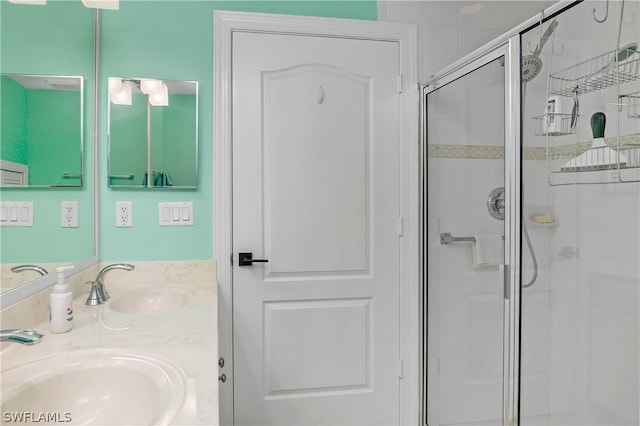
x,y
620,157
595,74
567,159
632,102
580,163
553,124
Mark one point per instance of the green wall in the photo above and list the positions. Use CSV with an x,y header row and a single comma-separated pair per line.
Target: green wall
x,y
156,39
55,39
41,128
173,40
177,151
53,135
173,136
128,142
13,133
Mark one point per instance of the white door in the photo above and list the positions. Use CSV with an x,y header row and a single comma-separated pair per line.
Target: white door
x,y
316,153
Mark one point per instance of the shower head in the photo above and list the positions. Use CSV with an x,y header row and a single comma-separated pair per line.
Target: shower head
x,y
532,64
531,67
547,34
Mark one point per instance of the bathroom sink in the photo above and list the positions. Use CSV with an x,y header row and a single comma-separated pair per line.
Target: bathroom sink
x,y
149,300
95,387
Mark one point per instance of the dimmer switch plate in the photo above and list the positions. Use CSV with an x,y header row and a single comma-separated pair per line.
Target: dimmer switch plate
x,y
16,213
69,214
175,213
124,214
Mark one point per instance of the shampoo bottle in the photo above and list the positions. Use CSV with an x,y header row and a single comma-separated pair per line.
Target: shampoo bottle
x,y
61,309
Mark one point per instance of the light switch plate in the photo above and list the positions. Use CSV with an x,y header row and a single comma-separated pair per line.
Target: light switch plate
x,y
16,213
175,213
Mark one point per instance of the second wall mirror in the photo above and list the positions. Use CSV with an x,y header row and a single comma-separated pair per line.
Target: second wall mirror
x,y
42,128
153,133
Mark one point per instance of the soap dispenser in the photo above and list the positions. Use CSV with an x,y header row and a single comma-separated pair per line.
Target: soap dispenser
x,y
61,309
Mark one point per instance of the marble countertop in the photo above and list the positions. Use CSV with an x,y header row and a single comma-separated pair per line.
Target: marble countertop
x,y
185,337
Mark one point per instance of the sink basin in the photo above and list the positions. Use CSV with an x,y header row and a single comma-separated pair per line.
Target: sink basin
x,y
150,300
99,387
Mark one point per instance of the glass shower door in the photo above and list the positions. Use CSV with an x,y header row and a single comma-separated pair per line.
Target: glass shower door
x,y
581,203
466,316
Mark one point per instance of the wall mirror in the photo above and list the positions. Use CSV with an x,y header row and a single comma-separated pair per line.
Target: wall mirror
x,y
153,133
51,46
41,140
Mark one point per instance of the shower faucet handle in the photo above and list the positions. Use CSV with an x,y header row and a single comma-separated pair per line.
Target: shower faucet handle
x,y
496,203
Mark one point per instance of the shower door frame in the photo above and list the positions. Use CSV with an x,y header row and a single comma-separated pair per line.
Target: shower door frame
x,y
508,45
510,50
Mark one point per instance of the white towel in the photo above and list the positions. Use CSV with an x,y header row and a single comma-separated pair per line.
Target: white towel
x,y
488,250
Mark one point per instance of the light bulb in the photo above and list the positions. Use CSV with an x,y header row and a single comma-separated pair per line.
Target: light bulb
x,y
28,1
115,85
123,97
160,99
102,4
151,87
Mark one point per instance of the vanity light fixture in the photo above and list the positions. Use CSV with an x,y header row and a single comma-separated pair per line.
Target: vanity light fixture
x,y
102,4
63,83
115,85
119,91
28,1
151,87
92,4
160,99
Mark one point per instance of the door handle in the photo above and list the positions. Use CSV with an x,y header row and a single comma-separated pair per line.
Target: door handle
x,y
246,259
503,270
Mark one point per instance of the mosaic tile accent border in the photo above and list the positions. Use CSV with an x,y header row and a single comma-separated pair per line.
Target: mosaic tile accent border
x,y
488,152
534,153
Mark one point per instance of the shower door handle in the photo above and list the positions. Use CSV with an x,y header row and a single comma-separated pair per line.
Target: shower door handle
x,y
246,259
503,271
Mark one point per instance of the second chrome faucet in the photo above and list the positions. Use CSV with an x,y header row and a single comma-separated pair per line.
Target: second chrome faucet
x,y
99,294
36,268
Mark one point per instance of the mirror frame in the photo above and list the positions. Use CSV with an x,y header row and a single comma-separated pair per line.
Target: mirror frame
x,y
17,294
82,129
196,84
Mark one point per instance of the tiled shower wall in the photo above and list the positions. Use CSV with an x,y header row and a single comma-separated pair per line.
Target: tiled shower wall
x,y
580,345
450,29
464,302
466,139
593,251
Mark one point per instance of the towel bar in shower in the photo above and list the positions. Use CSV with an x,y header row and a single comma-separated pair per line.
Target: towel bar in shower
x,y
447,238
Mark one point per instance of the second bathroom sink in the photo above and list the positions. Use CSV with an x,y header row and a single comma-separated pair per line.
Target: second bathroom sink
x,y
94,387
148,300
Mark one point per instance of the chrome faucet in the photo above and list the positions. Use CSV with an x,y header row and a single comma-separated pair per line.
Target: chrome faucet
x,y
99,294
36,268
26,337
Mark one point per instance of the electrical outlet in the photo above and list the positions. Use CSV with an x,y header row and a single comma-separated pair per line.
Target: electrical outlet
x,y
124,214
69,214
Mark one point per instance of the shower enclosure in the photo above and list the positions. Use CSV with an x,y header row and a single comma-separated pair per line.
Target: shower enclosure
x,y
532,233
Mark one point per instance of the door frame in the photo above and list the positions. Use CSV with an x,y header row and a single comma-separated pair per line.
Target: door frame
x,y
225,23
